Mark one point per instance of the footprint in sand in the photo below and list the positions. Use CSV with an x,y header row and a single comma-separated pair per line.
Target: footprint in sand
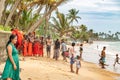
x,y
29,79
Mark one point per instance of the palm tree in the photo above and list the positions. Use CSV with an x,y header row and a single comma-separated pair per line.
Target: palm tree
x,y
116,36
40,30
118,33
90,33
96,36
84,33
83,28
109,32
56,4
84,36
18,6
12,11
76,35
27,19
2,2
61,25
5,13
72,15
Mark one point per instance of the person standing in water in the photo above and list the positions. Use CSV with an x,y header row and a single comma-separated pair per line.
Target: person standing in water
x,y
102,59
116,60
11,69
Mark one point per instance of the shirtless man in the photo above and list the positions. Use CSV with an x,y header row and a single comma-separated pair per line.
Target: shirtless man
x,y
102,59
48,46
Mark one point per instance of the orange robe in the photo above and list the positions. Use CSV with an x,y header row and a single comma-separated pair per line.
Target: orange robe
x,y
19,38
36,48
15,31
30,51
25,45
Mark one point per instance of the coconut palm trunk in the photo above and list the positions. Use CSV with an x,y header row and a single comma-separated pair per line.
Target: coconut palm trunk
x,y
47,18
2,5
4,13
12,11
46,21
32,28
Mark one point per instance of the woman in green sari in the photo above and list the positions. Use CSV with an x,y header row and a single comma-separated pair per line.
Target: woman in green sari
x,y
11,69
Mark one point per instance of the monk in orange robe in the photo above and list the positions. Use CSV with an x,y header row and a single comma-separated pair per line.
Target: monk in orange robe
x,y
36,48
30,49
25,45
19,38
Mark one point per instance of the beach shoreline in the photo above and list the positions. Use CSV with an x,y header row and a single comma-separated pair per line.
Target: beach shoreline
x,y
49,69
43,68
91,54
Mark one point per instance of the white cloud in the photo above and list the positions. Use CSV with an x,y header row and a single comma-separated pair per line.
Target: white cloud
x,y
96,13
83,3
92,5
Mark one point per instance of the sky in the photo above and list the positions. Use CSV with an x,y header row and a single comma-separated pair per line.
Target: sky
x,y
99,15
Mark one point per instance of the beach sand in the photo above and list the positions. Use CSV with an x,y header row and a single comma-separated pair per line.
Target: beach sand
x,y
48,69
43,68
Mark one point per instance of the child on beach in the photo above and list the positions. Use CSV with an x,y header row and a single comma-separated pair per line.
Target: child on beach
x,y
78,64
81,50
72,62
116,60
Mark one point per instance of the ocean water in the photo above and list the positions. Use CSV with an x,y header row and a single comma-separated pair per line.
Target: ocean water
x,y
112,48
91,54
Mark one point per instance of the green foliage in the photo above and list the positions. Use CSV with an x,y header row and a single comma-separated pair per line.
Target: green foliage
x,y
24,17
83,28
76,35
72,15
109,36
40,30
1,27
27,19
5,28
84,36
61,24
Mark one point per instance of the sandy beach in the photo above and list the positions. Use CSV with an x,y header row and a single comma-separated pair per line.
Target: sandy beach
x,y
48,69
43,68
60,39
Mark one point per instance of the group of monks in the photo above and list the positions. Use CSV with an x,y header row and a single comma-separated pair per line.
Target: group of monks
x,y
28,45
